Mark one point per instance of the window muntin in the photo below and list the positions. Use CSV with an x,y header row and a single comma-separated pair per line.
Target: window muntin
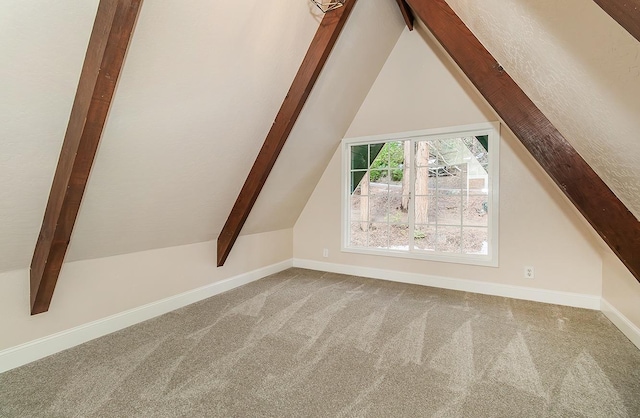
x,y
428,194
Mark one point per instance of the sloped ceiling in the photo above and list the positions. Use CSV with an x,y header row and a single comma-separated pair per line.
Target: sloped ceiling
x,y
42,45
356,60
202,84
199,91
580,68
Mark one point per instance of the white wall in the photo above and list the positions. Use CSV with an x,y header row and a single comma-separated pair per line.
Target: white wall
x,y
360,52
420,88
198,93
581,68
42,45
95,289
621,295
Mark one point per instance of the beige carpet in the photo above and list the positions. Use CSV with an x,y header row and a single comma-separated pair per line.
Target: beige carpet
x,y
304,343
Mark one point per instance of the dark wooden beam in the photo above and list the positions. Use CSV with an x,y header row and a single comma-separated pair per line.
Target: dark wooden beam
x,y
317,54
407,14
605,212
625,12
108,44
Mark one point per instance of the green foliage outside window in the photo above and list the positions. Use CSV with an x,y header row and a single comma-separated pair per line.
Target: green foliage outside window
x,y
391,157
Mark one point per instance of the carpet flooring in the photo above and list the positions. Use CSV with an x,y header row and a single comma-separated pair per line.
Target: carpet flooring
x,y
304,343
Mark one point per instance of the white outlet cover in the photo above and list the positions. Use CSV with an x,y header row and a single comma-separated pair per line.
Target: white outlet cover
x,y
529,272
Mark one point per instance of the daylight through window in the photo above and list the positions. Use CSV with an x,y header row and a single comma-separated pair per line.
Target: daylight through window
x,y
431,194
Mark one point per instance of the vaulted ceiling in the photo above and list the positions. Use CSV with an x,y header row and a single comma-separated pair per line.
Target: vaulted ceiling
x,y
581,68
610,218
201,87
197,95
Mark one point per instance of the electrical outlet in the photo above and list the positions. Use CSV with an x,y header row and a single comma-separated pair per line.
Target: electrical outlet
x,y
325,252
528,272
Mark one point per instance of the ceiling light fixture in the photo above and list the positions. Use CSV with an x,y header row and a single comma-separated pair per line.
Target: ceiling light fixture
x,y
327,6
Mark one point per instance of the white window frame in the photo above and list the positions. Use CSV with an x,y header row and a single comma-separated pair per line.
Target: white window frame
x,y
492,130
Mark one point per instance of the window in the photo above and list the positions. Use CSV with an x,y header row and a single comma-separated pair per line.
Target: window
x,y
430,194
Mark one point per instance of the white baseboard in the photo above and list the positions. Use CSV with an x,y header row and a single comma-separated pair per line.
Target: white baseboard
x,y
516,292
623,323
34,350
42,347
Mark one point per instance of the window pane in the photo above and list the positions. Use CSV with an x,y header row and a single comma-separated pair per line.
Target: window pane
x,y
477,158
359,208
451,177
396,154
395,204
435,203
382,158
443,153
356,179
379,176
399,237
424,211
405,202
449,210
379,208
362,157
424,183
357,234
448,239
380,187
478,185
359,157
476,210
397,173
385,180
475,241
397,215
422,153
424,238
358,191
379,235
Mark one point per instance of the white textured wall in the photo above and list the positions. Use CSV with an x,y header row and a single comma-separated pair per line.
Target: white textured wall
x,y
94,289
200,88
581,69
368,37
420,88
42,45
620,289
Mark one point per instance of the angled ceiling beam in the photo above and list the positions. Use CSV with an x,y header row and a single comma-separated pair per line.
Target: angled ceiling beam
x,y
317,54
107,47
625,12
591,196
407,14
